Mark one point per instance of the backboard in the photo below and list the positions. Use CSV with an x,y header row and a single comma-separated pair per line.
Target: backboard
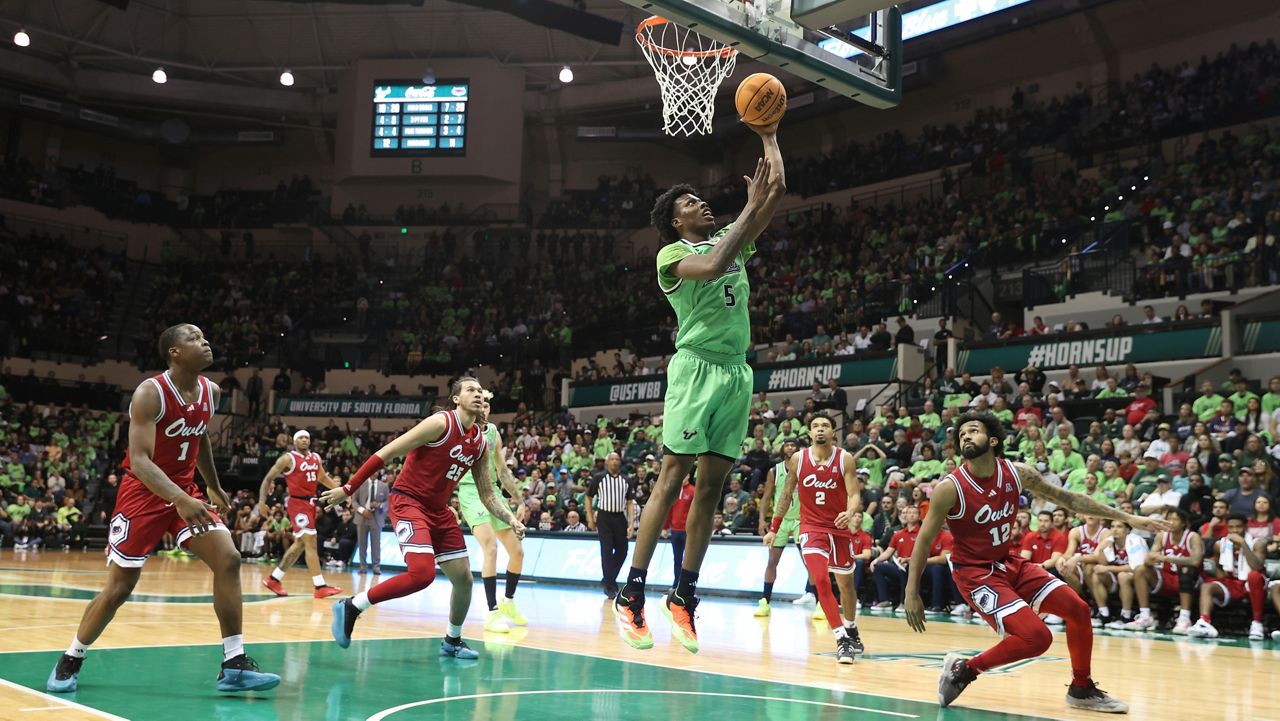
x,y
851,47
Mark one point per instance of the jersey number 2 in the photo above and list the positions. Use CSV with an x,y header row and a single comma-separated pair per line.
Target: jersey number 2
x,y
729,300
1000,534
820,498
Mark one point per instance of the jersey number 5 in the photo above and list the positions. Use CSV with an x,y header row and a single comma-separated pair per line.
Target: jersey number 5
x,y
1000,534
729,300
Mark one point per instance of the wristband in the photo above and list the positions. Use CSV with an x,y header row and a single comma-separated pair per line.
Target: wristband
x,y
370,467
777,523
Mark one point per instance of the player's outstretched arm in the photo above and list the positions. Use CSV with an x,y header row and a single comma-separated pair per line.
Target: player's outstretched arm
x,y
275,470
1034,483
940,504
430,430
776,184
744,230
490,499
143,412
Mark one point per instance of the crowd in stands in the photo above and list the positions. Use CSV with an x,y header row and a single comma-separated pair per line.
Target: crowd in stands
x,y
54,298
615,203
1235,86
56,474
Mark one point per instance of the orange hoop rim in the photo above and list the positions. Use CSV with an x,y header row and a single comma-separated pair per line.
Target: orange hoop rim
x,y
656,20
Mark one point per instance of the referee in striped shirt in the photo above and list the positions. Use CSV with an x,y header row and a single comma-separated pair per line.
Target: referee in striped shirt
x,y
614,519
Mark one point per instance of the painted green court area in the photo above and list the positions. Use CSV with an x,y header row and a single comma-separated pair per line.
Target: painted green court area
x,y
405,679
84,594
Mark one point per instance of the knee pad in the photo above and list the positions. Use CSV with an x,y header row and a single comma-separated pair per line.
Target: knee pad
x,y
1188,580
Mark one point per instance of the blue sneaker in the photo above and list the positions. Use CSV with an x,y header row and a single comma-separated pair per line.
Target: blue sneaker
x,y
64,675
241,674
344,622
458,650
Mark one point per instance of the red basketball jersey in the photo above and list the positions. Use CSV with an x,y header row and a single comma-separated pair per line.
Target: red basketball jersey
x,y
431,472
304,469
179,428
821,490
1180,549
1088,544
985,513
1119,553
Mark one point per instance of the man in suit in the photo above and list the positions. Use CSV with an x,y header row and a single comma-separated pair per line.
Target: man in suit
x,y
370,502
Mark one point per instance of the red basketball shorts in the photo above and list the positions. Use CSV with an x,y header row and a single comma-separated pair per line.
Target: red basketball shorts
x,y
141,520
998,590
424,530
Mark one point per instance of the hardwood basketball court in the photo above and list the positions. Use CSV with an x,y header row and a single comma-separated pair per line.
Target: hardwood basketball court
x,y
159,658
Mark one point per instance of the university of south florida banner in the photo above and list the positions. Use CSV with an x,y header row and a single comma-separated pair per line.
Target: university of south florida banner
x,y
1058,351
353,406
651,389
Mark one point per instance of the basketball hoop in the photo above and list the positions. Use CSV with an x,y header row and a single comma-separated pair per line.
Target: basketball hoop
x,y
689,68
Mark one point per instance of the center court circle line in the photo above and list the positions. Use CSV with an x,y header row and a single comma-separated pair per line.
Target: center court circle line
x,y
381,715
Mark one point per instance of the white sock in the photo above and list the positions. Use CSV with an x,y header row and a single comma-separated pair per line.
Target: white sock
x,y
361,601
1104,612
1126,613
232,646
77,649
455,630
840,632
318,579
1184,614
1144,613
851,623
278,573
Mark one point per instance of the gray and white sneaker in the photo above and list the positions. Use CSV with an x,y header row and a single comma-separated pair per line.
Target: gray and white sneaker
x,y
844,650
956,676
1092,698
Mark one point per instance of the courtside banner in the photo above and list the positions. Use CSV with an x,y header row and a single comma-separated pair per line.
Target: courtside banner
x,y
353,406
789,377
1061,351
735,567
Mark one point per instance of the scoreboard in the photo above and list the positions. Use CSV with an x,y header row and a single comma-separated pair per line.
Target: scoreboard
x,y
412,119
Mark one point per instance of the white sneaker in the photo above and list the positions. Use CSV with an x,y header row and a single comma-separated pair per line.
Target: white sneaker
x,y
959,610
807,598
1141,623
1202,629
1275,636
1098,621
1116,624
1256,631
1052,620
1182,627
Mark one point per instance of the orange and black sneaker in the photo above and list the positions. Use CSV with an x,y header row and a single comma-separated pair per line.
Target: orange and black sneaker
x,y
631,623
681,615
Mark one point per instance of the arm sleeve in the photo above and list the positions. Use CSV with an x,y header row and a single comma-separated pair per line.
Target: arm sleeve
x,y
671,254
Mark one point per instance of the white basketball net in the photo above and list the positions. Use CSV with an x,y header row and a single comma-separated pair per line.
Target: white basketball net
x,y
689,68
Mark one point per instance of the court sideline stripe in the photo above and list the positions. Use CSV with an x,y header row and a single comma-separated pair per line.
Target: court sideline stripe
x,y
68,704
427,702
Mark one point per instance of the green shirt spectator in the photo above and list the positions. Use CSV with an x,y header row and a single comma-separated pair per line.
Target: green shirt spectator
x,y
1206,406
68,515
1116,392
930,421
18,512
1240,400
956,400
1063,463
927,469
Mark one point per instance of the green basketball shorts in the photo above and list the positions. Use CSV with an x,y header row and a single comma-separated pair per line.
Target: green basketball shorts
x,y
706,407
474,512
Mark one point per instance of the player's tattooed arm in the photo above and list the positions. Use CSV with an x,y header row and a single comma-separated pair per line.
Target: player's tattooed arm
x,y
491,500
1034,483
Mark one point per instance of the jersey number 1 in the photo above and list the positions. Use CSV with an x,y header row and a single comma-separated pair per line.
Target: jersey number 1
x,y
186,445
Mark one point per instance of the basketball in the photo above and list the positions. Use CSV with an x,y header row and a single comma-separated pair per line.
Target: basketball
x,y
761,99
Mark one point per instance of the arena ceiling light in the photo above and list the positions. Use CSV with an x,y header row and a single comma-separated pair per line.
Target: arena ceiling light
x,y
286,78
566,74
159,76
21,38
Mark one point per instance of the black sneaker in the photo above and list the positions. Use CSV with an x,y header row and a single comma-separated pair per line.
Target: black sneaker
x,y
956,676
844,650
1092,698
65,675
855,639
241,674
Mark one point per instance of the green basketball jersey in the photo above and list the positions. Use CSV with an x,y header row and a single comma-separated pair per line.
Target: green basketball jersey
x,y
712,315
491,442
779,487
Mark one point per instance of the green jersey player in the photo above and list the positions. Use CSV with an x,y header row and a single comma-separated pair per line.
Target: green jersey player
x,y
703,272
489,529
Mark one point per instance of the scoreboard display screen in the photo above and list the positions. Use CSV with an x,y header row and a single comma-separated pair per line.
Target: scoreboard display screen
x,y
412,119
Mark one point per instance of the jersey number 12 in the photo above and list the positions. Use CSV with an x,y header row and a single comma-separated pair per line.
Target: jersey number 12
x,y
1000,534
